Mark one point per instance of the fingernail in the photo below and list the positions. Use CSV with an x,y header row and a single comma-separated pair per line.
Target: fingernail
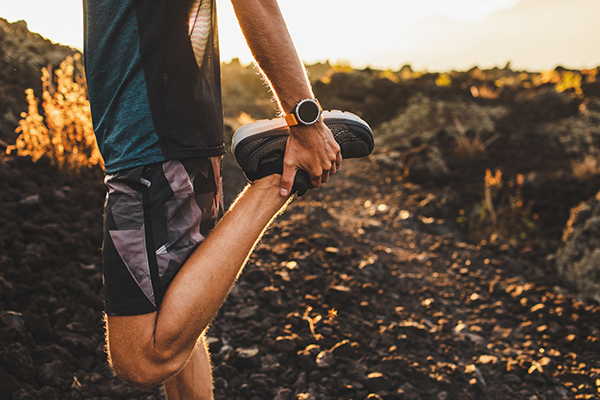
x,y
284,192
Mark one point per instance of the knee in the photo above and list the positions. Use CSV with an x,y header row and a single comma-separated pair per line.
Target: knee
x,y
143,372
134,355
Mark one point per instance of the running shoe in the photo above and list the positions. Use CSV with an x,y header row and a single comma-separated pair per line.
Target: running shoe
x,y
259,147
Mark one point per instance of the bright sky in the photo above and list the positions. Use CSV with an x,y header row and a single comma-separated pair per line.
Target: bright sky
x,y
376,33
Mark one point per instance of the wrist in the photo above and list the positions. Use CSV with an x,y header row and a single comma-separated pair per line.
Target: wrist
x,y
303,131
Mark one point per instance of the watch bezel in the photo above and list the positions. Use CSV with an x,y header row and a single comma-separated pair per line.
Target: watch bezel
x,y
314,102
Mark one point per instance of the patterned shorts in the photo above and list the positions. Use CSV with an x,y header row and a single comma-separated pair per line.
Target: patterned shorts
x,y
154,218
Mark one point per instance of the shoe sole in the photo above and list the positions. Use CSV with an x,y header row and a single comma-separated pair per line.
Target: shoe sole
x,y
360,145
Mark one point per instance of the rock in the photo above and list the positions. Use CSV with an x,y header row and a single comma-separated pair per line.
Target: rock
x,y
307,357
220,383
248,312
512,379
286,344
77,345
8,384
339,293
300,382
325,359
578,260
377,382
270,363
30,203
247,357
6,289
391,159
408,392
53,352
306,396
17,361
344,349
283,394
255,275
13,320
425,164
50,374
39,325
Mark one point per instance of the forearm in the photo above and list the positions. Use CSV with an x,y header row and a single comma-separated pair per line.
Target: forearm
x,y
272,47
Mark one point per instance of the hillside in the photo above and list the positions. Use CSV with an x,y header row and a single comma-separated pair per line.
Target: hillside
x,y
411,275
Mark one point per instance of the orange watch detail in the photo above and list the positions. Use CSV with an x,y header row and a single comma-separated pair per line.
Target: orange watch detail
x,y
291,120
296,116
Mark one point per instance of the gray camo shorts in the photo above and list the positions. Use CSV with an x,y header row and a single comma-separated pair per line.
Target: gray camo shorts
x,y
154,218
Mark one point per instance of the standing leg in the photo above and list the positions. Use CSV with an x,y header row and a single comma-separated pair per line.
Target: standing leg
x,y
194,381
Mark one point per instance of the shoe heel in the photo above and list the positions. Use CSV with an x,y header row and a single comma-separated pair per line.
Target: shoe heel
x,y
301,183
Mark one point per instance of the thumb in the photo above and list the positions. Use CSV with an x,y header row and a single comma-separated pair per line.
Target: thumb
x,y
287,180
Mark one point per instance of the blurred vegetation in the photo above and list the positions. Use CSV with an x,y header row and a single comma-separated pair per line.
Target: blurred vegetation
x,y
502,214
64,133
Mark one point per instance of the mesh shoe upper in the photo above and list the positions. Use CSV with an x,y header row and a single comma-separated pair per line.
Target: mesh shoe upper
x,y
263,142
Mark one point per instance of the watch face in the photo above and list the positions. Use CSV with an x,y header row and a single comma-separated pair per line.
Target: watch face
x,y
308,112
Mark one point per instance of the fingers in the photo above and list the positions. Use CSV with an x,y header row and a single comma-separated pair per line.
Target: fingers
x,y
287,180
289,175
316,180
334,169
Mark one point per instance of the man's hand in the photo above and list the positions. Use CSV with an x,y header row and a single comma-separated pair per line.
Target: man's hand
x,y
312,149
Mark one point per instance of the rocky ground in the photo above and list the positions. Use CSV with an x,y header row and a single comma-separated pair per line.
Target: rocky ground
x,y
354,293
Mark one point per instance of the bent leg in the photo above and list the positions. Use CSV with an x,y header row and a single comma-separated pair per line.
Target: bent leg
x,y
150,348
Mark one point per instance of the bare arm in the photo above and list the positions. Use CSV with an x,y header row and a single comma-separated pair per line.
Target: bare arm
x,y
310,148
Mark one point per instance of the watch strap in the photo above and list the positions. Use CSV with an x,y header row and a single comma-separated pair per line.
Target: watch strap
x,y
290,119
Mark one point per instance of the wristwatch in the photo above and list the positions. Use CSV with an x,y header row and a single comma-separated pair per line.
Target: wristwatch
x,y
306,112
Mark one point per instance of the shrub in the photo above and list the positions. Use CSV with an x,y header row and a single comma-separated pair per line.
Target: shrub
x,y
502,212
467,148
443,80
64,134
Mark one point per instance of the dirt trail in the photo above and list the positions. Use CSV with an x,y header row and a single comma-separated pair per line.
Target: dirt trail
x,y
352,294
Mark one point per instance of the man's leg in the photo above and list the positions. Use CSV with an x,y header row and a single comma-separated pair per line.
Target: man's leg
x,y
194,380
149,349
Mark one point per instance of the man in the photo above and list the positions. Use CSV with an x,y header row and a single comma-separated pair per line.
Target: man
x,y
154,82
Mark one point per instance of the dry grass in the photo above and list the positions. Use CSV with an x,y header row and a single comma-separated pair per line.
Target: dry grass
x,y
64,134
466,148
